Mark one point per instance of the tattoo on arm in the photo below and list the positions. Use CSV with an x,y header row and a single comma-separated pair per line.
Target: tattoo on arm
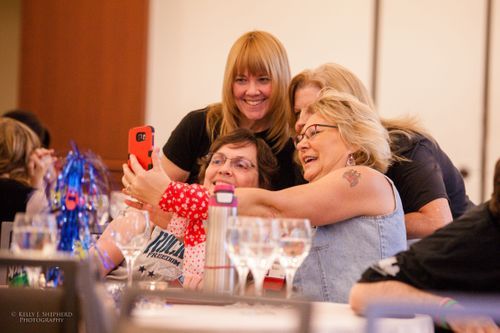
x,y
352,176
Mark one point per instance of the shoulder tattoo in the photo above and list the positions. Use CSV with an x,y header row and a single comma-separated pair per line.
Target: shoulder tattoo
x,y
352,176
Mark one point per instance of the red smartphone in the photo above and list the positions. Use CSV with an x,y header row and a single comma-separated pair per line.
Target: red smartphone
x,y
141,144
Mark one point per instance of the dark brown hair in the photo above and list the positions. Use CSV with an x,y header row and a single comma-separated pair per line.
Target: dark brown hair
x,y
241,137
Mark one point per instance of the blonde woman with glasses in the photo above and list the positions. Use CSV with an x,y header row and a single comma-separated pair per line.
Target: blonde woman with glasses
x,y
344,151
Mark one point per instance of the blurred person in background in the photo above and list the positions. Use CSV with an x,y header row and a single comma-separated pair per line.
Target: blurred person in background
x,y
431,188
33,122
23,166
461,257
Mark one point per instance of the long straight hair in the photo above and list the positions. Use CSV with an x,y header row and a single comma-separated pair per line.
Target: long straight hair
x,y
257,52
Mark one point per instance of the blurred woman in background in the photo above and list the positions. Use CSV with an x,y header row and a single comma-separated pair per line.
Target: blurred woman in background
x,y
23,165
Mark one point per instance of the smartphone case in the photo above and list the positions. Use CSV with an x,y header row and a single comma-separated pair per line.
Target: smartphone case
x,y
141,144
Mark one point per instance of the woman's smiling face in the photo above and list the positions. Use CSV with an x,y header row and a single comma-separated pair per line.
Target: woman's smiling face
x,y
322,149
233,164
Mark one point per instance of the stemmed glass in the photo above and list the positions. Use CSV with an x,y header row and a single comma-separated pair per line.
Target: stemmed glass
x,y
259,245
234,235
36,236
131,232
294,246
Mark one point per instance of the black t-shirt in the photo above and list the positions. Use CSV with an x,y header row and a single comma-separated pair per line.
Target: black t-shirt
x,y
189,141
430,175
13,198
461,257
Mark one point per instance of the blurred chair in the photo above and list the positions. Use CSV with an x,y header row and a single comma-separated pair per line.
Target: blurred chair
x,y
126,323
485,305
40,310
5,239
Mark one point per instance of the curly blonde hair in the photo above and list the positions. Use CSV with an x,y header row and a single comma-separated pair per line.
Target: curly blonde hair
x,y
17,142
359,126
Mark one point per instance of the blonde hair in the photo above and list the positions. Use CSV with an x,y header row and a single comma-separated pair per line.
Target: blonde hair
x,y
17,142
258,52
402,130
359,127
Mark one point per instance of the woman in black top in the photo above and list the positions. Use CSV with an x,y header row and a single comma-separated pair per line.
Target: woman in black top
x,y
254,96
431,188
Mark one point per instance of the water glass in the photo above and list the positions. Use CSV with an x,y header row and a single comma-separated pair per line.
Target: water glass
x,y
34,234
294,246
259,246
234,235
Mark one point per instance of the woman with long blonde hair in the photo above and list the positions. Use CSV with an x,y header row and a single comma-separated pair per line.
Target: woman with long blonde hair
x,y
254,96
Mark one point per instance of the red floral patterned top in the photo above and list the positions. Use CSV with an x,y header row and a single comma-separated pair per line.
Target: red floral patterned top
x,y
190,203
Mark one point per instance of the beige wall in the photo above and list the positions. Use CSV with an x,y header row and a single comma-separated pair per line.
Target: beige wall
x,y
10,11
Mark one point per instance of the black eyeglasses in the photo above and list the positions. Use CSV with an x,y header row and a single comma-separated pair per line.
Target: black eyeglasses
x,y
237,163
310,132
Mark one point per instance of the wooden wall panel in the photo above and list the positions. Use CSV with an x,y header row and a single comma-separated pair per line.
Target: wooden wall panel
x,y
83,71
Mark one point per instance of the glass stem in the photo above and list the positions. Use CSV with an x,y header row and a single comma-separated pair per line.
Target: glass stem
x,y
290,274
130,267
242,278
259,282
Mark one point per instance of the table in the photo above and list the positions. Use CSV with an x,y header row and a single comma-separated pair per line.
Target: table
x,y
326,317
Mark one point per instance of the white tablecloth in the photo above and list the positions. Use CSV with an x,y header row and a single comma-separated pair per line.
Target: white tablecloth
x,y
326,317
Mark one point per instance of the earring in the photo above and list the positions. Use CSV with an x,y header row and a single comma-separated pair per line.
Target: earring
x,y
350,161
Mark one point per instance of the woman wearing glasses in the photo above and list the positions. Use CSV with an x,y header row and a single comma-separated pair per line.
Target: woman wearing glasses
x,y
254,96
239,158
344,151
432,189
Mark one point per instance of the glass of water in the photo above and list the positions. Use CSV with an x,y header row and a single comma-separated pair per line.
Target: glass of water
x,y
259,246
34,234
235,233
294,246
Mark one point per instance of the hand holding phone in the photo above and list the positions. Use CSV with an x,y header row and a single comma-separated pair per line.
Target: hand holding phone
x,y
141,144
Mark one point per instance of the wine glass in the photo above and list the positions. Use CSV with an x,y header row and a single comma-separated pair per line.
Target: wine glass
x,y
294,246
259,245
34,235
131,231
234,234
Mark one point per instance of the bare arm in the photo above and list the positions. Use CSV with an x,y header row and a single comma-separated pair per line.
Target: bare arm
x,y
365,293
429,218
342,194
173,171
108,255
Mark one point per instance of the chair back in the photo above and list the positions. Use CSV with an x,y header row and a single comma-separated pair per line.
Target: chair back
x,y
5,240
40,310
